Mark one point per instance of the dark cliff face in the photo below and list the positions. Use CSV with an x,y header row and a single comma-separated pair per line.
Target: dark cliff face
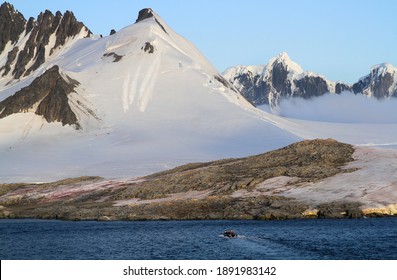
x,y
252,88
279,79
12,24
50,91
309,86
38,32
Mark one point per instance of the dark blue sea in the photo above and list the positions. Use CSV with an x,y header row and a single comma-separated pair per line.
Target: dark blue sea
x,y
176,240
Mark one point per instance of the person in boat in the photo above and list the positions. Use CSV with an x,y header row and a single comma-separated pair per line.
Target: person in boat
x,y
229,233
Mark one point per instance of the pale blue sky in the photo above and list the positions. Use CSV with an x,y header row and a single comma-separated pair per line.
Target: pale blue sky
x,y
340,39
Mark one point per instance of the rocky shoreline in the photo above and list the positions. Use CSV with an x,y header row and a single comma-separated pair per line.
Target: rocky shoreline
x,y
259,187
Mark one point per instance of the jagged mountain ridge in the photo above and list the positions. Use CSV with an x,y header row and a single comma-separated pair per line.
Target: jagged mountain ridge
x,y
283,78
26,44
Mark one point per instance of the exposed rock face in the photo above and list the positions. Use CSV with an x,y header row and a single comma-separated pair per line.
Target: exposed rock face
x,y
380,83
47,96
144,14
12,24
280,78
116,57
148,13
112,32
149,48
309,86
37,33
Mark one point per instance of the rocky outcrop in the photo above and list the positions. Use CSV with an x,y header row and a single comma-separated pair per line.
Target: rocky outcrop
x,y
46,96
144,14
116,57
21,61
148,13
148,47
281,78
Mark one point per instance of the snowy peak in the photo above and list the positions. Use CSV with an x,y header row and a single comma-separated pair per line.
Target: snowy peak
x,y
380,83
383,69
284,61
280,78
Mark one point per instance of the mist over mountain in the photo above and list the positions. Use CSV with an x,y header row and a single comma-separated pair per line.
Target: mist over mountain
x,y
282,78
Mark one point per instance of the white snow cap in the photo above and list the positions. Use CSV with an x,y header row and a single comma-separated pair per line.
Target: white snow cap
x,y
382,69
284,58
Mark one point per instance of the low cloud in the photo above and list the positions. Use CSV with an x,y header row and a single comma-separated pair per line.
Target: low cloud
x,y
340,108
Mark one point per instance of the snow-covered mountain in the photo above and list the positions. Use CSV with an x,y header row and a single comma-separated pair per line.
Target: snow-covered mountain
x,y
280,78
380,83
283,78
141,100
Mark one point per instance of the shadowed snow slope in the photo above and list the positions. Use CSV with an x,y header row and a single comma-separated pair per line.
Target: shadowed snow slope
x,y
157,103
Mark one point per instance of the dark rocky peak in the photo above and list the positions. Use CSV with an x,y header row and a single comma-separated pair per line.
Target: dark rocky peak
x,y
38,33
12,24
7,9
148,13
144,14
68,27
50,91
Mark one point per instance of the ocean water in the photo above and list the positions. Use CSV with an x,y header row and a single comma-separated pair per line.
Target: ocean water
x,y
176,240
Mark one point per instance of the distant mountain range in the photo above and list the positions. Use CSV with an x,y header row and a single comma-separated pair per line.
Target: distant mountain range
x,y
283,78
